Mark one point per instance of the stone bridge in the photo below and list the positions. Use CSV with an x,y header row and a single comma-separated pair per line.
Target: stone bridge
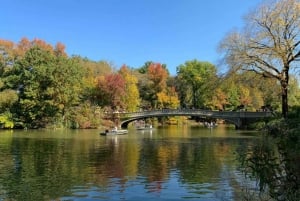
x,y
239,118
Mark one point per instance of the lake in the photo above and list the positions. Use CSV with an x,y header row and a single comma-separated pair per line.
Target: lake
x,y
167,163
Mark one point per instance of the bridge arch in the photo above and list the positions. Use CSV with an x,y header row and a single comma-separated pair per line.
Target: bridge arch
x,y
124,124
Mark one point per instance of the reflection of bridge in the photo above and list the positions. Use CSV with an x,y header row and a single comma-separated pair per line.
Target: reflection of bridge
x,y
240,118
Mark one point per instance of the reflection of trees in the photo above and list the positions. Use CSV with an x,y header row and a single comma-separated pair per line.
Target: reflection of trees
x,y
37,172
117,159
198,162
44,168
155,160
276,166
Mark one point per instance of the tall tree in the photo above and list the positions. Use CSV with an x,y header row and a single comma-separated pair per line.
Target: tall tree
x,y
269,44
47,86
131,98
111,90
158,75
92,71
6,55
197,78
156,82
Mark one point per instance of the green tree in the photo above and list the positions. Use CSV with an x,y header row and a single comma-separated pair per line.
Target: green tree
x,y
7,98
92,71
198,79
233,96
294,92
246,89
66,85
269,45
47,86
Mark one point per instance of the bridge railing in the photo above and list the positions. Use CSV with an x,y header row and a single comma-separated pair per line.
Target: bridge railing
x,y
195,112
166,111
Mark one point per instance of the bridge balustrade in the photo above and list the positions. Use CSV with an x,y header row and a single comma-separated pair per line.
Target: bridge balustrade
x,y
198,112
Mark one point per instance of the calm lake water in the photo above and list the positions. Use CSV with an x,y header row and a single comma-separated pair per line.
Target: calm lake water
x,y
169,163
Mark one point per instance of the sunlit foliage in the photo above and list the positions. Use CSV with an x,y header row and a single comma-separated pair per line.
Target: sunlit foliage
x,y
269,44
131,97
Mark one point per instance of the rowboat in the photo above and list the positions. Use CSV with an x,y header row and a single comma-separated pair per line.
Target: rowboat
x,y
145,127
114,131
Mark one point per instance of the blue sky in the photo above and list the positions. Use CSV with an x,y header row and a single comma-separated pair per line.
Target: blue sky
x,y
127,32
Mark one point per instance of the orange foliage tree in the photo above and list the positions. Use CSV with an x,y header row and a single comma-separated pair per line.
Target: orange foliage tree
x,y
157,76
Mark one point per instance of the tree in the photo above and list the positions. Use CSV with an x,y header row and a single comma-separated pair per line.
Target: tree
x,y
92,71
111,90
269,45
131,98
168,98
233,98
198,79
158,75
29,77
219,100
152,80
47,86
7,98
6,55
144,69
294,92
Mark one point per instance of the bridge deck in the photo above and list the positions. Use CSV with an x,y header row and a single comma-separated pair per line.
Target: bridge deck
x,y
197,112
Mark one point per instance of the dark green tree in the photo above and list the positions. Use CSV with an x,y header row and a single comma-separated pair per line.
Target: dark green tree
x,y
47,86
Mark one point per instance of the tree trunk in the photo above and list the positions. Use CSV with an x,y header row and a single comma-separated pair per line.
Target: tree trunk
x,y
284,100
194,98
284,91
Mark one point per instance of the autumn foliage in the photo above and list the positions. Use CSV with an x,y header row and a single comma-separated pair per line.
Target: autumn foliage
x,y
41,86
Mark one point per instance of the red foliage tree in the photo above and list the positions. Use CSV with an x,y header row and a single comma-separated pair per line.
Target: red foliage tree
x,y
112,89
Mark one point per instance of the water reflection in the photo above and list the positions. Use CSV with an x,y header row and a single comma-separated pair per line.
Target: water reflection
x,y
274,163
167,164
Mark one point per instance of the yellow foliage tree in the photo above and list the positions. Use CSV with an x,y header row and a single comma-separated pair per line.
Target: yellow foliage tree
x,y
219,100
245,98
168,98
132,100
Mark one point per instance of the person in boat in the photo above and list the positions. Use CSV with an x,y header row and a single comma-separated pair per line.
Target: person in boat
x,y
114,129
